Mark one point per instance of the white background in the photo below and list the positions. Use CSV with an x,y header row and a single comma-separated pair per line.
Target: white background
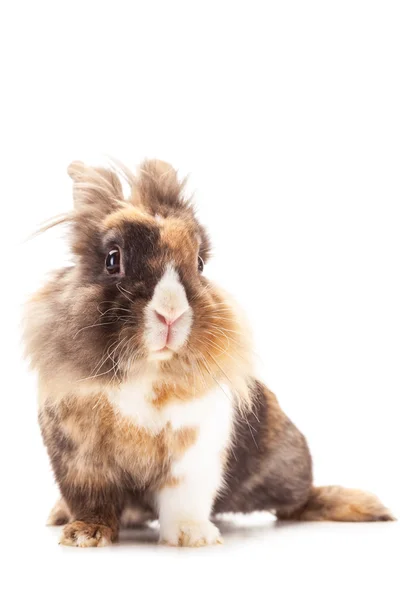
x,y
287,117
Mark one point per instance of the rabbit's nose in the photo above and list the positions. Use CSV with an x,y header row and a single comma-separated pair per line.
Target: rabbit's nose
x,y
168,319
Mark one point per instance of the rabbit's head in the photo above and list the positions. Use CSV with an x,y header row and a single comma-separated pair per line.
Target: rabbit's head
x,y
136,293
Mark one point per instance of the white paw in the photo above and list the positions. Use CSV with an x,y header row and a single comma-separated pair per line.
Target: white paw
x,y
190,533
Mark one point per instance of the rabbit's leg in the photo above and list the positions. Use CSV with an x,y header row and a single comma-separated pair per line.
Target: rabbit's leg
x,y
185,504
185,501
269,466
96,510
85,478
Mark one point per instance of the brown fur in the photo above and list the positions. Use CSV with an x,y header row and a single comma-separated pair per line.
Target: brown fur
x,y
121,217
269,465
335,503
172,482
89,442
87,535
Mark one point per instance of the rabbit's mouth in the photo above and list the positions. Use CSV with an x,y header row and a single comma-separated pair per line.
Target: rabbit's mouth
x,y
168,317
162,354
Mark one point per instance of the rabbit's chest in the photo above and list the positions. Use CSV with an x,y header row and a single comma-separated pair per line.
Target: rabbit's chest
x,y
155,427
154,408
135,436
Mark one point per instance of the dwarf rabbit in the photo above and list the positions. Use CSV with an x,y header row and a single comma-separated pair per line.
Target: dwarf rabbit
x,y
148,404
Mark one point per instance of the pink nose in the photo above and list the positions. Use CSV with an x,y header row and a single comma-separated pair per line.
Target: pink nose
x,y
166,320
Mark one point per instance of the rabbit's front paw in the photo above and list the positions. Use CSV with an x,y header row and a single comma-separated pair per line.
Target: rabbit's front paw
x,y
86,535
190,533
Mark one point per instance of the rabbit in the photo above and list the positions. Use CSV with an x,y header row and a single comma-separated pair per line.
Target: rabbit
x,y
148,402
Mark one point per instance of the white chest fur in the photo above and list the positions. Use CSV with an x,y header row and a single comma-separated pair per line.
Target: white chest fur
x,y
212,412
134,401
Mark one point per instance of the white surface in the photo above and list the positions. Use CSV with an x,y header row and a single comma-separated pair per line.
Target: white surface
x,y
287,116
259,558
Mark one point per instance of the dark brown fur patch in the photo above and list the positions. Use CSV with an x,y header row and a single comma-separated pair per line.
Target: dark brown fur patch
x,y
269,464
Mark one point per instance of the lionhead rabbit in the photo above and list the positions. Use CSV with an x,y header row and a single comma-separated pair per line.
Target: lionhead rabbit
x,y
148,402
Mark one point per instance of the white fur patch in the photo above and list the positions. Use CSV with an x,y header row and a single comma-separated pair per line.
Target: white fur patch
x,y
134,401
190,533
170,301
184,509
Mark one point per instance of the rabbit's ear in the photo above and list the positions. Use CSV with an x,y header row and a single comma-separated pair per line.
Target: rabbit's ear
x,y
158,189
76,169
95,189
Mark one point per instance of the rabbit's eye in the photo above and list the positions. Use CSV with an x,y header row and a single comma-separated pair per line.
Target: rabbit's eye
x,y
113,261
200,264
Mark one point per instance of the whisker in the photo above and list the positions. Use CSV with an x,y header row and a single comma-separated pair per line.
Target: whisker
x,y
219,367
216,380
94,376
123,292
225,329
202,292
223,350
107,352
120,287
94,325
215,335
247,421
114,309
